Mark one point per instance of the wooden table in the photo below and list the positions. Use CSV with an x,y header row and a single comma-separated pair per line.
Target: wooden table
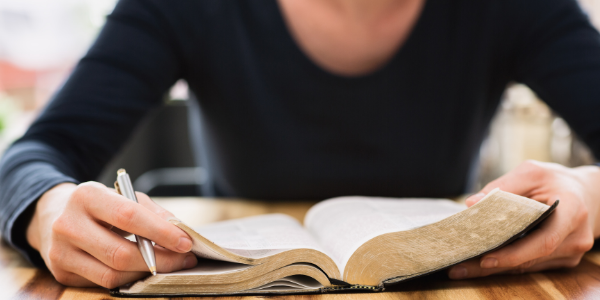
x,y
19,280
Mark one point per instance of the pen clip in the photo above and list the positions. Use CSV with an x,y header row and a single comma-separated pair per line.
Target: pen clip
x,y
117,188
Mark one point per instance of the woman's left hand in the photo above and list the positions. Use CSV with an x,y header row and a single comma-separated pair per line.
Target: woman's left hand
x,y
562,239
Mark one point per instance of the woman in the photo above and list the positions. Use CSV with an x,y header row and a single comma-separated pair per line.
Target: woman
x,y
306,99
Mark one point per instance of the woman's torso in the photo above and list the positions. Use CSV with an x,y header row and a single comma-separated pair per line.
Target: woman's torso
x,y
277,125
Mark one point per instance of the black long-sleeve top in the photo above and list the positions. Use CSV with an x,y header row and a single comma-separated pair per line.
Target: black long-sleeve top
x,y
276,125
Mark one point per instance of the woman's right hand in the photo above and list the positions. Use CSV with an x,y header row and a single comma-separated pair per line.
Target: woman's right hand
x,y
72,228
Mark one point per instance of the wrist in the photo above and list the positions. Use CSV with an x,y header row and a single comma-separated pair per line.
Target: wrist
x,y
33,233
46,207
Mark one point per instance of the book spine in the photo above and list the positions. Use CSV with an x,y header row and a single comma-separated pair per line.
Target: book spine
x,y
350,288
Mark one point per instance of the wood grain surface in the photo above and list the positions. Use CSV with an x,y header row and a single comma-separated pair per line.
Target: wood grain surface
x,y
19,280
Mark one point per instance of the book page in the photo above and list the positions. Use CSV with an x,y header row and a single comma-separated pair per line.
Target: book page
x,y
210,267
259,236
343,224
294,282
186,281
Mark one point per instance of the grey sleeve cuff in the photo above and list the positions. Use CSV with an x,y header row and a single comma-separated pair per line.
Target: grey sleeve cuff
x,y
26,172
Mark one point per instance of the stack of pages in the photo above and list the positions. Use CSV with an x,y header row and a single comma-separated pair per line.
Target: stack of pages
x,y
346,244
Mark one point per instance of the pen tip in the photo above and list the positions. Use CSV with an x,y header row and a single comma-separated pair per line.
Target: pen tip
x,y
153,273
120,171
153,270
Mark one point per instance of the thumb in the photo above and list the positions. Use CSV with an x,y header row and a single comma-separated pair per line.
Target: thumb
x,y
471,200
524,179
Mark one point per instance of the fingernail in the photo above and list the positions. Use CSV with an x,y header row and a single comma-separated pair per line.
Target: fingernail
x,y
489,262
458,272
476,196
184,245
471,200
190,261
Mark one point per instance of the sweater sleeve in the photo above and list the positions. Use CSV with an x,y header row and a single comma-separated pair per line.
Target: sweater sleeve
x,y
558,56
125,74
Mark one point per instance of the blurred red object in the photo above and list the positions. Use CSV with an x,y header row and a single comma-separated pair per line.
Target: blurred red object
x,y
31,88
12,77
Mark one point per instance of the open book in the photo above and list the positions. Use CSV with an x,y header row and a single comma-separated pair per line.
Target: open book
x,y
347,243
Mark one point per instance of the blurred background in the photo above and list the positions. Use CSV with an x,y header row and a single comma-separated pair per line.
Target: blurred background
x,y
41,41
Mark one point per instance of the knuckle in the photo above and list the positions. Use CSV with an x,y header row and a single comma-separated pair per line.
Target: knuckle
x,y
572,263
166,231
119,257
85,191
165,214
63,227
527,265
533,169
80,192
513,260
530,165
551,242
109,279
176,263
582,215
55,255
124,214
585,244
62,277
92,185
170,265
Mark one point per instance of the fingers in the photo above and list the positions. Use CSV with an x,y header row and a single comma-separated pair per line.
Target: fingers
x,y
471,200
527,256
131,217
80,248
523,180
123,255
82,264
565,262
527,177
561,240
71,279
471,268
147,202
144,200
539,243
565,228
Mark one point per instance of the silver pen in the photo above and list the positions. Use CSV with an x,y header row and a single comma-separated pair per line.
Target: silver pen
x,y
125,188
